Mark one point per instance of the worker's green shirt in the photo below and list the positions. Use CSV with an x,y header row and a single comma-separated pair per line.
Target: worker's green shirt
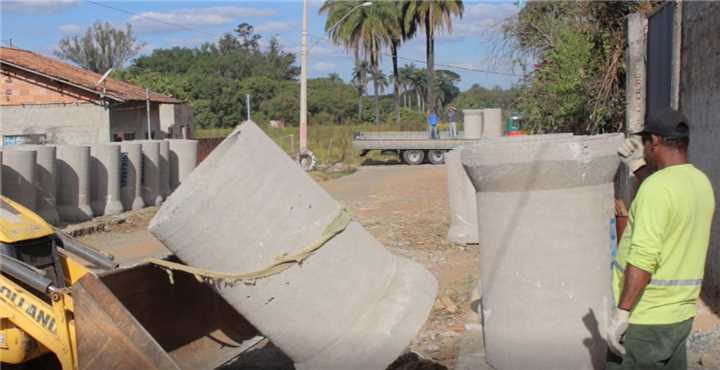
x,y
667,235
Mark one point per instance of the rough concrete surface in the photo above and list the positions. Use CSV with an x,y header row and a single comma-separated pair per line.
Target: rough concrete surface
x,y
461,197
73,183
544,211
131,175
151,172
19,176
359,305
183,159
700,101
472,123
105,179
46,182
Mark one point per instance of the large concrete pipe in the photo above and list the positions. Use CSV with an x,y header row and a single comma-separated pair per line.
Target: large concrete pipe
x,y
45,182
461,201
164,169
73,183
492,122
183,159
131,175
350,305
105,179
472,123
461,193
19,176
546,214
151,172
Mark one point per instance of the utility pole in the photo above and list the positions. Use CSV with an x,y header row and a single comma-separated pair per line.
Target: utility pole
x,y
147,112
303,79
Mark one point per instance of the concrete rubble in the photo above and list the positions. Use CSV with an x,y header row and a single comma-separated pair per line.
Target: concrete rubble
x,y
350,305
546,209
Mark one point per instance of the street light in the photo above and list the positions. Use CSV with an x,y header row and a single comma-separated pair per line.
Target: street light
x,y
303,74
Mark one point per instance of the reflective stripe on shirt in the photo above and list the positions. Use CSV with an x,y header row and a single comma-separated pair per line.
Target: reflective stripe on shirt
x,y
665,282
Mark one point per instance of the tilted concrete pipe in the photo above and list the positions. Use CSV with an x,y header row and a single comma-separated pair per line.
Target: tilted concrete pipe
x,y
73,183
45,182
19,176
350,305
461,193
472,123
183,159
105,179
164,168
131,175
546,214
151,172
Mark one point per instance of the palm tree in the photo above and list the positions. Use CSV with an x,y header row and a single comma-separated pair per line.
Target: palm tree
x,y
379,84
359,81
444,84
405,75
362,29
431,15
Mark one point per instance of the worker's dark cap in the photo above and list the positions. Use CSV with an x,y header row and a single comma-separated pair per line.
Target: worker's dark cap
x,y
666,123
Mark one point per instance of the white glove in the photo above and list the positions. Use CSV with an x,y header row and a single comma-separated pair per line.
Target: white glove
x,y
631,153
616,330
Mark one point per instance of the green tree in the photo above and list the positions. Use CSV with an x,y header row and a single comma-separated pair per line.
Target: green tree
x,y
379,84
101,47
360,81
431,15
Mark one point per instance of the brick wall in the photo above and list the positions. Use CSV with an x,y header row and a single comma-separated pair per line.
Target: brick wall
x,y
18,87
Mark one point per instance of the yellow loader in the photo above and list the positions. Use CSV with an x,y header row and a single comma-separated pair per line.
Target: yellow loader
x,y
66,306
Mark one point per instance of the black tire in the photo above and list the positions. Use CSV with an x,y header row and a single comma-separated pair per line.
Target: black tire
x,y
413,156
436,156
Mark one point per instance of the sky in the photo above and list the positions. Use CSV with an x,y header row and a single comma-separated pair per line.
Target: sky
x,y
471,48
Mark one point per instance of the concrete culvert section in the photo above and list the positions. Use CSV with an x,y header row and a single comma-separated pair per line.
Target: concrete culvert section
x,y
461,193
18,179
105,179
73,183
45,181
151,172
164,168
131,175
183,159
349,305
545,211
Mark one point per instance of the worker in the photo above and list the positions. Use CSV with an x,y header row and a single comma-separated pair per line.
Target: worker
x,y
432,124
659,264
452,130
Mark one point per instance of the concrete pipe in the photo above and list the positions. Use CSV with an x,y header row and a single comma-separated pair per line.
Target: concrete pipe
x,y
151,172
492,122
73,183
105,179
164,169
546,230
461,193
19,176
131,175
183,159
350,305
45,182
472,123
461,201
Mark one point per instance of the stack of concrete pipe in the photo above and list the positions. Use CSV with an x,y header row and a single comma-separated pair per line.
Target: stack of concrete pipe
x,y
547,210
461,193
45,183
73,183
164,169
183,159
18,176
349,305
105,179
131,175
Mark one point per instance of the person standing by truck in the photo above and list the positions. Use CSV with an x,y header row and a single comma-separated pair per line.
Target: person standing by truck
x,y
452,129
432,124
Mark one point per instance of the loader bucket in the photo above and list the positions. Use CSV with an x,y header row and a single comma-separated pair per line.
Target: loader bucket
x,y
137,319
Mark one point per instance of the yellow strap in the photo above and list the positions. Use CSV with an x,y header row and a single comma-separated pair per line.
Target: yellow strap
x,y
282,263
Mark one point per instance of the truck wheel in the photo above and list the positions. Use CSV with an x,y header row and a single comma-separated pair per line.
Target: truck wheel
x,y
436,156
413,156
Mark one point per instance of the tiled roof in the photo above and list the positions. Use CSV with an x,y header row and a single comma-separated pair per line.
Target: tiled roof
x,y
66,73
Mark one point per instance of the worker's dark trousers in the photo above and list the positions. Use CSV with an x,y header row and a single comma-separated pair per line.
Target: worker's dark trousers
x,y
653,347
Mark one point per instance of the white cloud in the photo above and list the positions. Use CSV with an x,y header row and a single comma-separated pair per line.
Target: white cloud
x,y
37,6
276,27
70,29
155,22
480,20
324,67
